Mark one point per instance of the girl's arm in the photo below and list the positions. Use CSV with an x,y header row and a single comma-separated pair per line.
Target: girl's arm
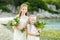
x,y
18,27
30,33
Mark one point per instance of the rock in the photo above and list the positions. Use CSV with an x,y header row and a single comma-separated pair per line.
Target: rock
x,y
5,14
46,14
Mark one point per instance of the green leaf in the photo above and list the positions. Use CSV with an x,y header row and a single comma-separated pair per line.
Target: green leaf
x,y
40,24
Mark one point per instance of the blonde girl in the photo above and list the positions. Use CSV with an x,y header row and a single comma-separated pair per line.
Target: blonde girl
x,y
33,33
18,34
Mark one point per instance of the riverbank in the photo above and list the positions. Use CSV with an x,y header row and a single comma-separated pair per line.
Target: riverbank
x,y
47,15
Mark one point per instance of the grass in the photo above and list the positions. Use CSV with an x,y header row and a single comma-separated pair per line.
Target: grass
x,y
50,35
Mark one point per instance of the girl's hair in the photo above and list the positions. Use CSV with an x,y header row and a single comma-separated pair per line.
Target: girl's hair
x,y
23,5
29,19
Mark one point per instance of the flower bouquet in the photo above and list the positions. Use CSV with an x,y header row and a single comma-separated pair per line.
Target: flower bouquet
x,y
40,24
13,23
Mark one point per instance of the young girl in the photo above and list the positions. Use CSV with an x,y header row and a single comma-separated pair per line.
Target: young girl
x,y
33,33
18,34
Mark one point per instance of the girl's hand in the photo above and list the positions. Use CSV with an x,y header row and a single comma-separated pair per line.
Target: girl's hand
x,y
34,34
19,27
39,30
37,34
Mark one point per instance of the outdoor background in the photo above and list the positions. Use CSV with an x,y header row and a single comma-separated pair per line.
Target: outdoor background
x,y
46,10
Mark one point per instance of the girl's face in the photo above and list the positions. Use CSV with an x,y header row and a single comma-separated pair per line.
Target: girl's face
x,y
32,20
24,9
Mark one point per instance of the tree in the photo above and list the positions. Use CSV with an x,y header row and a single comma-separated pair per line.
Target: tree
x,y
36,4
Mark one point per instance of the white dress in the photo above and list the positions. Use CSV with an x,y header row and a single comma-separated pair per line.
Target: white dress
x,y
33,29
18,35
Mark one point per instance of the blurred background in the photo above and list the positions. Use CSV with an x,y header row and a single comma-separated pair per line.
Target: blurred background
x,y
46,10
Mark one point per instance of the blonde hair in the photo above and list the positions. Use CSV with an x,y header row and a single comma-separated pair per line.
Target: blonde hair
x,y
23,5
30,17
29,20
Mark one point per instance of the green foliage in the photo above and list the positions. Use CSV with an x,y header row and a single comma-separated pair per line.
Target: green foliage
x,y
40,25
13,23
4,2
33,5
54,2
17,2
36,4
17,19
9,25
42,4
4,8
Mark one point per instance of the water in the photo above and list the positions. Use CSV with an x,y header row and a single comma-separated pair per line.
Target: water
x,y
52,24
53,27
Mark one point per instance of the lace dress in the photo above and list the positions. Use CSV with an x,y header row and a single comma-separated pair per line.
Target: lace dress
x,y
18,35
33,29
